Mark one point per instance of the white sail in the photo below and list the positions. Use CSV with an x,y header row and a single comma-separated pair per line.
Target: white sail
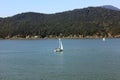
x,y
60,44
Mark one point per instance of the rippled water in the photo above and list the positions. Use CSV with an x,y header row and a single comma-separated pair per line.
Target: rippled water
x,y
82,59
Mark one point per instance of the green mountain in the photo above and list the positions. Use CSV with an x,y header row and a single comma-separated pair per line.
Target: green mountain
x,y
91,21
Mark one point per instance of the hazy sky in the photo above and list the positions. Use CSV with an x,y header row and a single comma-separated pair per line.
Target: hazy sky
x,y
12,7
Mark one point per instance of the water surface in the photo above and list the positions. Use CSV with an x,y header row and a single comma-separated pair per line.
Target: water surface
x,y
82,59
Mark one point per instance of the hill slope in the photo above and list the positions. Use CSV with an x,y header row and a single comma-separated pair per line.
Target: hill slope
x,y
110,7
91,21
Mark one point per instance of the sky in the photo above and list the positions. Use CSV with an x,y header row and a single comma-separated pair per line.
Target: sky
x,y
13,7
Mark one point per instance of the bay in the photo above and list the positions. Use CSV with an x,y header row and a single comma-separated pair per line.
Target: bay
x,y
82,59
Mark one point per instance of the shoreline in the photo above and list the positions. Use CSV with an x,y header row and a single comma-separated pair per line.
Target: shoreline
x,y
32,37
20,38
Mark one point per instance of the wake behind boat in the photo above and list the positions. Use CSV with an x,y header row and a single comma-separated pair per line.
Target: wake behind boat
x,y
60,48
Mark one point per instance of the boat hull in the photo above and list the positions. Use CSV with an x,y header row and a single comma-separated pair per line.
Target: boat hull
x,y
58,50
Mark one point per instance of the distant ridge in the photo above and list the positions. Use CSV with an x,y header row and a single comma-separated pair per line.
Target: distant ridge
x,y
110,7
90,22
1,18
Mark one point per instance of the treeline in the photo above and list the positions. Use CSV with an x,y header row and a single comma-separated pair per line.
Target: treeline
x,y
91,21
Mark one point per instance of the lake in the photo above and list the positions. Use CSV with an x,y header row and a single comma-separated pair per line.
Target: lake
x,y
82,59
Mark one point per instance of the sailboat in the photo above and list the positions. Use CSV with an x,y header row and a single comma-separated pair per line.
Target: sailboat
x,y
104,39
60,48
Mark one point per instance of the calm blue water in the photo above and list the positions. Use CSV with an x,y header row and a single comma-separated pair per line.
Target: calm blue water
x,y
82,59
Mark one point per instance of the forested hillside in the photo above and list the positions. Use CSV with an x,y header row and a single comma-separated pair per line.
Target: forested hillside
x,y
87,22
